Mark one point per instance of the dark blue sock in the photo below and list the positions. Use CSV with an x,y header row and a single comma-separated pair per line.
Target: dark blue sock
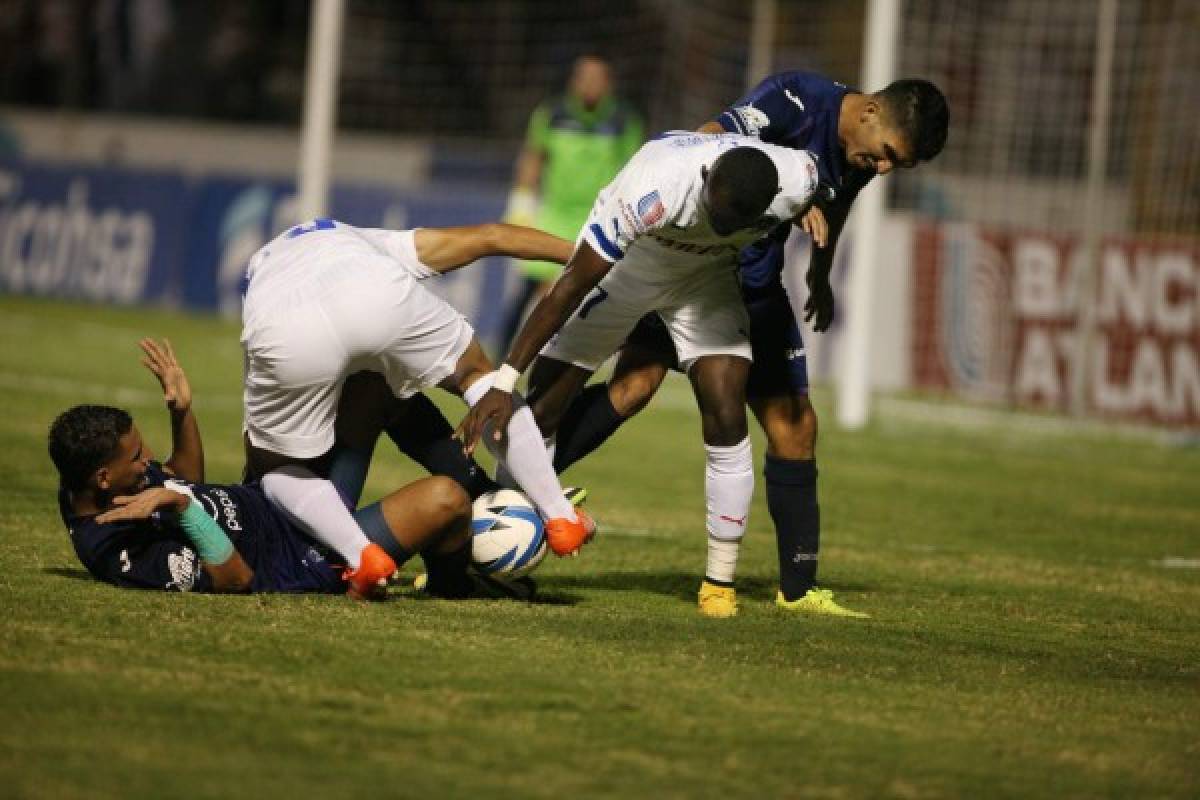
x,y
423,434
447,573
792,501
374,525
587,424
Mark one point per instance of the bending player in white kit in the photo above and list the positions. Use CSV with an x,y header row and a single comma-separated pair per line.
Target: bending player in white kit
x,y
664,236
325,300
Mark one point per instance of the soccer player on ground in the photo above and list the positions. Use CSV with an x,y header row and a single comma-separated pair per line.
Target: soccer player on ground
x,y
575,144
326,300
137,523
854,137
664,236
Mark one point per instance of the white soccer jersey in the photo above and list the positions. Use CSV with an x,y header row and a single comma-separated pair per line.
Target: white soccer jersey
x,y
656,199
667,257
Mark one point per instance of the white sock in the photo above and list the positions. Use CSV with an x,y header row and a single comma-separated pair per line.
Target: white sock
x,y
505,478
728,489
314,505
722,559
523,456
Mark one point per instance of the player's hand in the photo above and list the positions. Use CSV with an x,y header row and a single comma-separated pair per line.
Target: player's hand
x,y
819,308
814,224
143,504
160,359
493,410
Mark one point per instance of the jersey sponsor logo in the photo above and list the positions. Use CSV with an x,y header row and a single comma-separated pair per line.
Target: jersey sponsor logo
x,y
752,119
183,568
788,94
690,247
650,209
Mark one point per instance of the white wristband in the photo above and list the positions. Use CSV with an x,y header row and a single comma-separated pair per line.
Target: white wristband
x,y
506,378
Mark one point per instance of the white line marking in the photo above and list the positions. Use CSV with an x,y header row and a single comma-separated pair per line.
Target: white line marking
x,y
1170,562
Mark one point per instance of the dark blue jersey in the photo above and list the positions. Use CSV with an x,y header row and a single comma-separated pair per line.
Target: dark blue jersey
x,y
799,110
156,554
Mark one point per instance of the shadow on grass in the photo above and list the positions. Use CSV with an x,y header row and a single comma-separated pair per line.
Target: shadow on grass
x,y
74,573
678,584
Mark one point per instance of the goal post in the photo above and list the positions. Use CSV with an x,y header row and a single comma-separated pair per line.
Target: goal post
x,y
854,379
320,107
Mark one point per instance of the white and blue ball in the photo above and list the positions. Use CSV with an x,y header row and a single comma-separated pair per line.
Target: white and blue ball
x,y
507,537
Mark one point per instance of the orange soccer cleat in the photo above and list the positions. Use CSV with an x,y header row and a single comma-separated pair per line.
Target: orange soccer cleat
x,y
566,536
369,581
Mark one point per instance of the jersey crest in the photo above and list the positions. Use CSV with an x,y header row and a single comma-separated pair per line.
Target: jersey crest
x,y
753,120
650,209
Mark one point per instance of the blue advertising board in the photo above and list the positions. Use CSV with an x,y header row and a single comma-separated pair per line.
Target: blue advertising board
x,y
136,236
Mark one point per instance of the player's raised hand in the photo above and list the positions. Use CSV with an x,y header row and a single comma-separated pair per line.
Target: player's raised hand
x,y
160,359
143,504
814,224
494,409
819,307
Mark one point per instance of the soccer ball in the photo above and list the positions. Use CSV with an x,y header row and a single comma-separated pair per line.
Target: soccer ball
x,y
507,539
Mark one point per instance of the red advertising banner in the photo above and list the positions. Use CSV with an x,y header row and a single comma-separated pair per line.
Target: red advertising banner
x,y
995,315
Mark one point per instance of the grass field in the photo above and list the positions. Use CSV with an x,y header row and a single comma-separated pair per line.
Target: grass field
x,y
1035,630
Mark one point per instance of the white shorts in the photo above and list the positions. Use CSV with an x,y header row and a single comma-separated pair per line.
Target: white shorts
x,y
701,308
300,344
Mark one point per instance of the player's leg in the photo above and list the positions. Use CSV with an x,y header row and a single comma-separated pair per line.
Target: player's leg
x,y
522,451
292,384
431,517
778,395
709,334
719,384
600,409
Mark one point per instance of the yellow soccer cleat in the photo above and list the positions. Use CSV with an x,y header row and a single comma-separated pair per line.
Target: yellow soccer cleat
x,y
717,601
817,601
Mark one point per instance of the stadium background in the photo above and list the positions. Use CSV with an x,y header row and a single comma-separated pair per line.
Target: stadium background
x,y
151,146
1033,579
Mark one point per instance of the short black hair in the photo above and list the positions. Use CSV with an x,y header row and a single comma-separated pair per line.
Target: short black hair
x,y
83,439
745,181
918,110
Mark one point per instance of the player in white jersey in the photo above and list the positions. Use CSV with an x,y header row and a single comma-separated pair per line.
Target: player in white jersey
x,y
325,300
664,236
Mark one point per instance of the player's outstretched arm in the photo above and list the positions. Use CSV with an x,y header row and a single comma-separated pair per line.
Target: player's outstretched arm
x,y
187,450
225,566
583,272
446,249
820,305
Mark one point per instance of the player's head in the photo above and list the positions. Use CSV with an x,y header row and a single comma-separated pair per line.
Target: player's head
x,y
98,447
591,80
899,126
738,189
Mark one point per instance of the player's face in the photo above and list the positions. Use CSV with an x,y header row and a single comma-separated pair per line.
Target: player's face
x,y
126,471
591,81
877,146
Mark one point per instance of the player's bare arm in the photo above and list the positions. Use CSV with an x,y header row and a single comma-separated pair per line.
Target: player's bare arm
x,y
584,270
446,249
231,574
187,451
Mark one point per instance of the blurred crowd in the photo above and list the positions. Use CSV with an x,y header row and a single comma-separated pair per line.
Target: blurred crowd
x,y
224,59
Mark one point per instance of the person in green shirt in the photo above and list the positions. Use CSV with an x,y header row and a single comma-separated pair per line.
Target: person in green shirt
x,y
574,146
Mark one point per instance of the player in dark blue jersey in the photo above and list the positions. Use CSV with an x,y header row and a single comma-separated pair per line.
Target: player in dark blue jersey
x,y
854,137
140,524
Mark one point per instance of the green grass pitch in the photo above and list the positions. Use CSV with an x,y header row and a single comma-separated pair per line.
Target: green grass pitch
x,y
1035,630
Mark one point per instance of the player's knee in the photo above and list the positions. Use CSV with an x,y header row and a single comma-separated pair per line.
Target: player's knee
x,y
724,424
448,501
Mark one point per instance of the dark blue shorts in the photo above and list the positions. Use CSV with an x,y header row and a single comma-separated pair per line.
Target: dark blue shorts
x,y
780,366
